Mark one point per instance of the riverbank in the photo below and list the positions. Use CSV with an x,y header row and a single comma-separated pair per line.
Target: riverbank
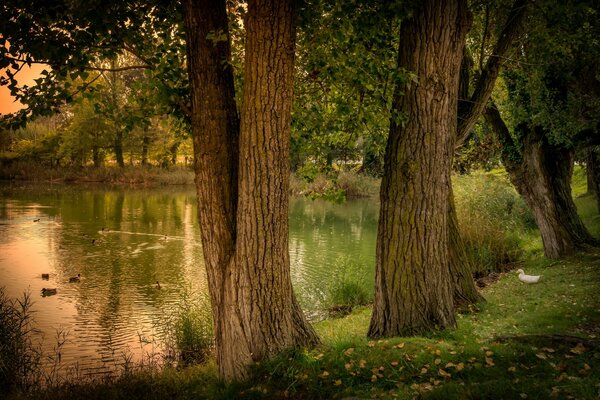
x,y
129,175
335,187
527,341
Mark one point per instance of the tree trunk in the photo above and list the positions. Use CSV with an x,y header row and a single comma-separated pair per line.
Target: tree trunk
x,y
118,147
413,289
243,218
145,144
542,175
593,174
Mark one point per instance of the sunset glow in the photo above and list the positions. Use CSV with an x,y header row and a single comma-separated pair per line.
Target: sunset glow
x,y
25,77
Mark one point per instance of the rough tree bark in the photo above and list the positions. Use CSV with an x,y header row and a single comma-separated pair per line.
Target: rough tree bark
x,y
542,176
413,290
242,180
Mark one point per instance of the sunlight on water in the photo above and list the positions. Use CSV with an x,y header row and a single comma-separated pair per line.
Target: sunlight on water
x,y
123,241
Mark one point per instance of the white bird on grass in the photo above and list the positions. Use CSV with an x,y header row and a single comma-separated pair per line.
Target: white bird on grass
x,y
528,278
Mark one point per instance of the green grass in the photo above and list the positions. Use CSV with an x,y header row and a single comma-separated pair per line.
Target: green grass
x,y
527,341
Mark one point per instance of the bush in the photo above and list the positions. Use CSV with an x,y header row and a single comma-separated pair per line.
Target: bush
x,y
491,217
334,187
20,359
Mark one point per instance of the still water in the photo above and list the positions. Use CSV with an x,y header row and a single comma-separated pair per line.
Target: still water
x,y
115,311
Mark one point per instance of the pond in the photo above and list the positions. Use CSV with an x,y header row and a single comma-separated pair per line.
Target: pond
x,y
115,311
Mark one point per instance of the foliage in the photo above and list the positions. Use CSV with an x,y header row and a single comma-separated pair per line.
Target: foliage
x,y
335,187
554,85
75,40
20,358
345,75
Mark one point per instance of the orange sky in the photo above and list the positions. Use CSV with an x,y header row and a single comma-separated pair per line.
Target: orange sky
x,y
25,77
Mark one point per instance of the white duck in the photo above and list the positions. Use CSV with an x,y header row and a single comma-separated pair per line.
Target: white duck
x,y
528,278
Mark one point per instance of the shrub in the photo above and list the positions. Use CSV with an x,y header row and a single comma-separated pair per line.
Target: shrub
x,y
491,218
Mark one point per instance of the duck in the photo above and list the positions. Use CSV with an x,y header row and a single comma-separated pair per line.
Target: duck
x,y
36,220
48,291
158,285
46,276
528,278
74,279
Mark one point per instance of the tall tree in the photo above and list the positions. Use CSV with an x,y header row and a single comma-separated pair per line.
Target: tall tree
x,y
551,109
413,290
242,179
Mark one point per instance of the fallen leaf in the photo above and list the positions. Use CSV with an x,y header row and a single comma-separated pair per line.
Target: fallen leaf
x,y
373,378
555,391
489,353
548,349
362,363
437,352
579,349
349,351
541,356
437,361
460,367
337,382
489,362
371,344
472,360
399,345
394,363
450,364
512,369
444,374
325,374
523,395
424,370
348,366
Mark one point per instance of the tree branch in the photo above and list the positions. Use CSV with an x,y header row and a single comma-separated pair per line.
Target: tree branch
x,y
494,119
489,74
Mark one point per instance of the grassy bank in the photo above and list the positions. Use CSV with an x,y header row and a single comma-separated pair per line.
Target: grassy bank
x,y
129,175
528,341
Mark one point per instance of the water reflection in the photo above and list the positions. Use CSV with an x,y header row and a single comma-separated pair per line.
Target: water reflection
x,y
149,235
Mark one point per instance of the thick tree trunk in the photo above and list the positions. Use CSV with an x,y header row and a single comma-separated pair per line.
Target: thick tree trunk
x,y
413,288
243,216
542,175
